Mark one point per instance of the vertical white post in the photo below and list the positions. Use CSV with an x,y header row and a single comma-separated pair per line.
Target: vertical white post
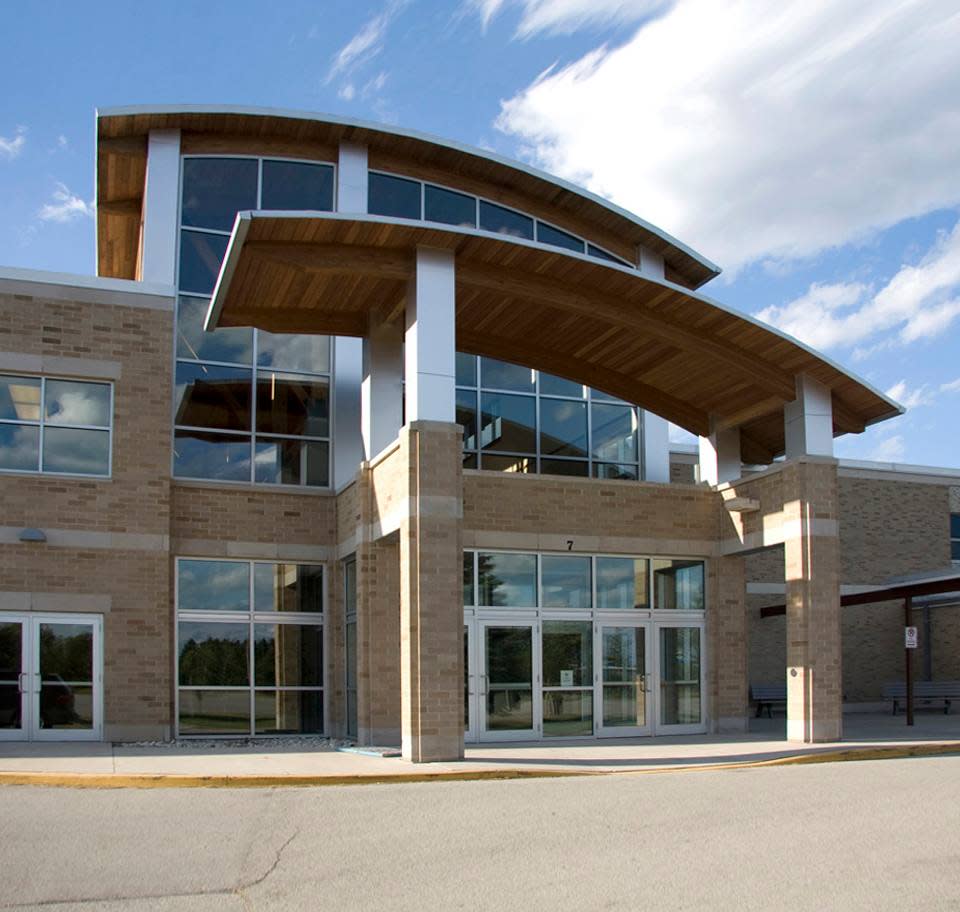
x,y
431,338
352,178
651,264
656,448
382,390
808,420
347,444
720,456
160,202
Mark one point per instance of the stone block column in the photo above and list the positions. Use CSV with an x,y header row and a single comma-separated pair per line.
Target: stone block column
x,y
812,565
431,593
728,623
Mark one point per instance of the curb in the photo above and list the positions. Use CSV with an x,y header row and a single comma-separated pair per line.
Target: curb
x,y
162,780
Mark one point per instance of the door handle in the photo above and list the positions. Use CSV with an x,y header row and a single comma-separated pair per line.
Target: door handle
x,y
20,677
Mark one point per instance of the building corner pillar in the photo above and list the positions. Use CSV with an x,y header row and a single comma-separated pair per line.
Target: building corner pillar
x,y
431,593
812,569
729,647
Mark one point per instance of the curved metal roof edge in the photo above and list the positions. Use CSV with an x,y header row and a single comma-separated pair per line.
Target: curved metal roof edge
x,y
320,117
242,223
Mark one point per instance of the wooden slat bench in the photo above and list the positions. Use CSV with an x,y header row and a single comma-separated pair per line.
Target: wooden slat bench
x,y
923,691
765,695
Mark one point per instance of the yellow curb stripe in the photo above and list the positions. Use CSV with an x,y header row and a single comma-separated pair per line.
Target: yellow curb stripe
x,y
162,780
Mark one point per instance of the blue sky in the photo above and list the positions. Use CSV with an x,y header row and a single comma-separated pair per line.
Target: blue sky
x,y
810,148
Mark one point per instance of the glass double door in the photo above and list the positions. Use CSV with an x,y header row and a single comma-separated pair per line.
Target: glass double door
x,y
50,678
577,678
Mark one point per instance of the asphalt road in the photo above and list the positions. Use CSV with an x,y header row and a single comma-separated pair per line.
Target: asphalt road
x,y
870,835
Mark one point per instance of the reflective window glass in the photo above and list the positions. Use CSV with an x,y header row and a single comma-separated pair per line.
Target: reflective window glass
x,y
507,580
505,221
468,578
679,675
558,386
508,423
616,472
20,398
599,394
601,254
297,185
218,457
466,369
470,460
395,196
206,585
496,374
567,653
565,581
678,584
492,462
20,447
288,712
230,344
547,234
467,417
622,583
287,655
294,462
200,259
563,428
955,525
292,404
213,654
614,432
76,452
571,467
294,352
211,396
214,712
215,189
73,402
448,207
287,587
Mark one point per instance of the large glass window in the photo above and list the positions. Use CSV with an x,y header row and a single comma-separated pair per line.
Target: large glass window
x,y
955,536
678,585
395,196
507,580
250,649
54,425
622,583
530,421
250,406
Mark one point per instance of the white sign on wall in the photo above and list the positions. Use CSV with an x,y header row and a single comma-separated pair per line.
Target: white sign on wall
x,y
910,637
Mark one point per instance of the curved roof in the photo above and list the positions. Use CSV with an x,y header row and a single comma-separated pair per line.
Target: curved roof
x,y
121,172
662,346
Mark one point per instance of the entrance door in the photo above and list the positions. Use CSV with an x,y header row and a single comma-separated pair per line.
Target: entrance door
x,y
55,692
14,687
681,676
625,694
508,693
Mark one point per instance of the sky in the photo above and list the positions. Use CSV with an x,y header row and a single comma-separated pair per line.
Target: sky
x,y
810,148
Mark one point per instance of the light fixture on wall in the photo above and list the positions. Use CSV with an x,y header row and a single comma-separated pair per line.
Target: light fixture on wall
x,y
33,535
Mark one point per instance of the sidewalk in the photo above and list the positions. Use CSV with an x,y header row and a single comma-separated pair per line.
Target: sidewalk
x,y
262,763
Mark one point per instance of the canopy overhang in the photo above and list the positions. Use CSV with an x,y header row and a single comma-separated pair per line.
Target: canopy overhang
x,y
662,346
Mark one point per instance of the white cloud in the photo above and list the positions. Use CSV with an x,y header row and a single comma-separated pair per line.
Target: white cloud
x,y
65,206
891,449
366,43
13,146
347,91
565,16
911,398
952,387
62,142
375,86
754,130
919,302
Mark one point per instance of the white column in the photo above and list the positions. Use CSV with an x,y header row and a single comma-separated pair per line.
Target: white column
x,y
347,443
720,456
651,264
352,178
808,420
160,200
381,410
431,338
656,448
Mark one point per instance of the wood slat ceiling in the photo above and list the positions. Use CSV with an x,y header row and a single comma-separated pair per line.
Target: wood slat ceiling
x,y
664,348
121,170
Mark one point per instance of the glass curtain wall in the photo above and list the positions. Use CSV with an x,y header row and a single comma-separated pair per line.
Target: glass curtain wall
x,y
250,648
250,406
520,420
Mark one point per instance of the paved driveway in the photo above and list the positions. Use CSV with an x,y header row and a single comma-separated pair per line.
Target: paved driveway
x,y
870,835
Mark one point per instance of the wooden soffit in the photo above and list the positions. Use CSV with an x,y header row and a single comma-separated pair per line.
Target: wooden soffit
x,y
661,346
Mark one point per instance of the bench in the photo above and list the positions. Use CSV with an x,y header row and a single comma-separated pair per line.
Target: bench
x,y
765,695
923,691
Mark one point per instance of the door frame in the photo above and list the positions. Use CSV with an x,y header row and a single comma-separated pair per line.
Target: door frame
x,y
23,685
650,677
698,728
30,729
